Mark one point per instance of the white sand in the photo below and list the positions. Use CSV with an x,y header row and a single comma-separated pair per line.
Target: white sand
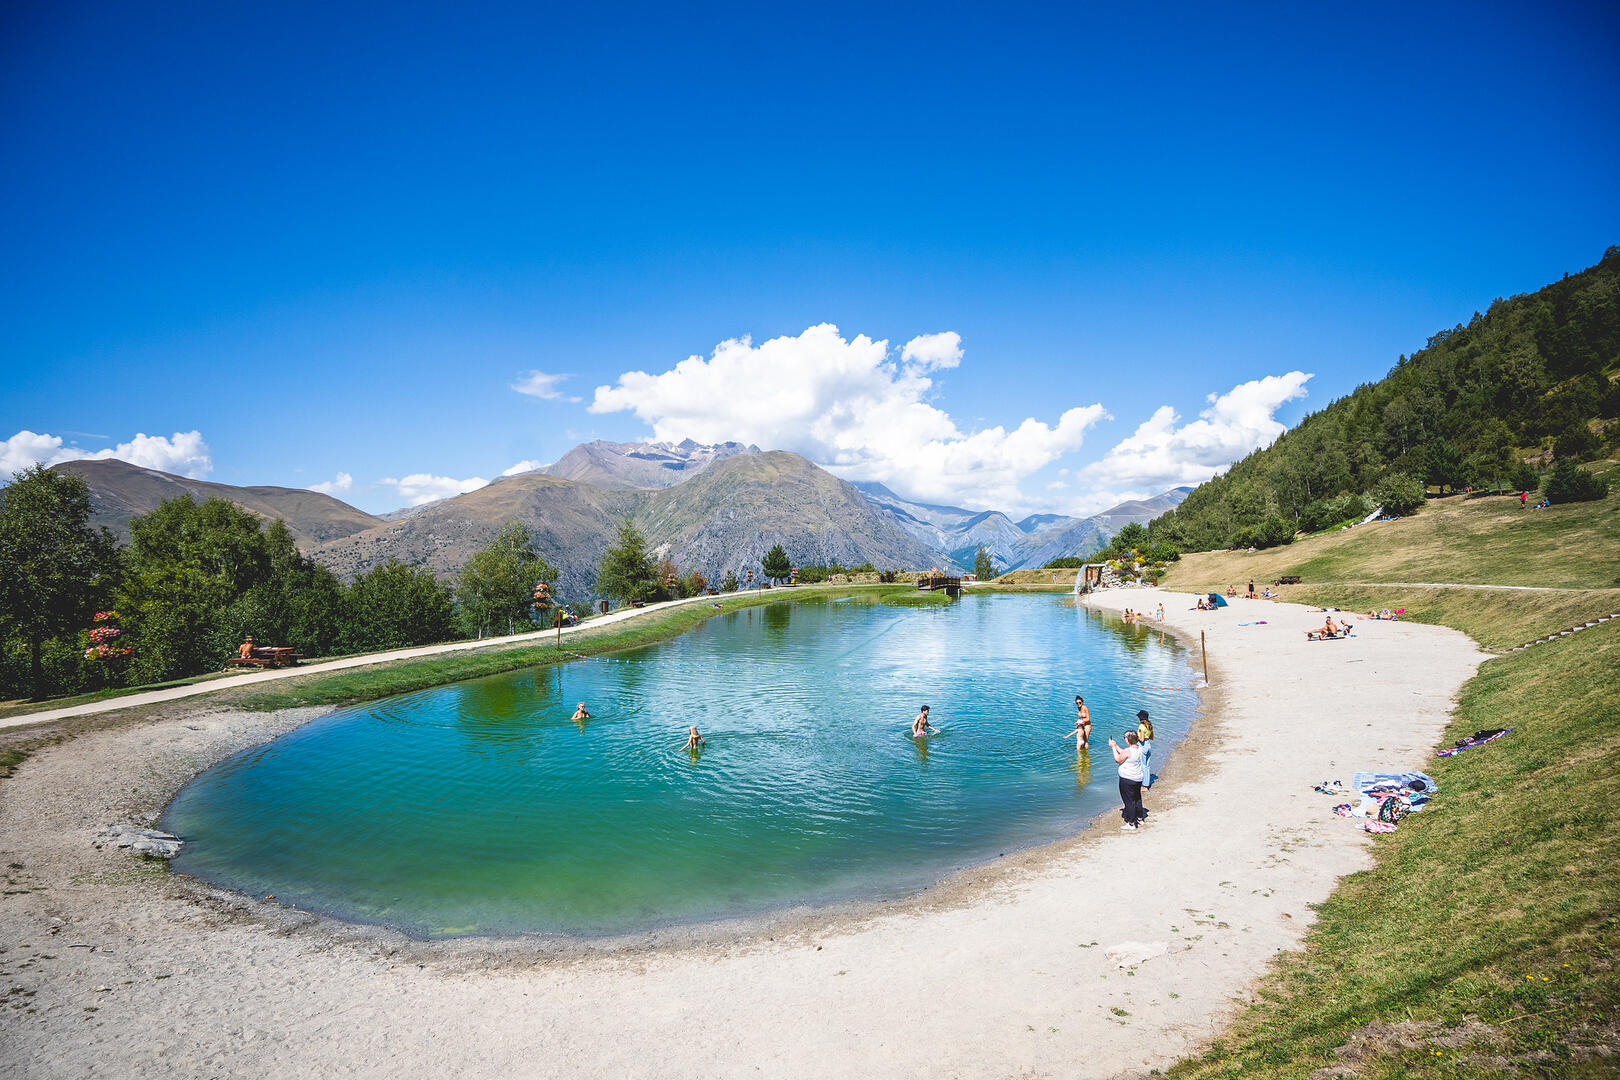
x,y
1004,972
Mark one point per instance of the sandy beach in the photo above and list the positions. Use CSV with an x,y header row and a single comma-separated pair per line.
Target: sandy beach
x,y
1107,955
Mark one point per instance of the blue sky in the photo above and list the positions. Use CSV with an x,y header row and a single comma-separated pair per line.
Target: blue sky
x,y
331,240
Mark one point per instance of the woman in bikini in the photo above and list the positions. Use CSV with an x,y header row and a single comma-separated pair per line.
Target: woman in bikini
x,y
1082,724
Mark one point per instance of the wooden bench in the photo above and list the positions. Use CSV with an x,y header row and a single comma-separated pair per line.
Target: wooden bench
x,y
266,657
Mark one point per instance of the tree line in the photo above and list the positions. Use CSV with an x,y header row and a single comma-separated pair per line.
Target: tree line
x,y
1513,400
79,612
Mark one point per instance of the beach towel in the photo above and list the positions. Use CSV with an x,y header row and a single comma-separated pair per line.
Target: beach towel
x,y
1377,826
1479,738
1414,788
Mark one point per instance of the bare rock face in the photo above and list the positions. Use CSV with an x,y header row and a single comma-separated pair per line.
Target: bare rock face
x,y
149,842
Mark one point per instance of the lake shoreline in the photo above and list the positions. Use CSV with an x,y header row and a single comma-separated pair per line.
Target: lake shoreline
x,y
219,954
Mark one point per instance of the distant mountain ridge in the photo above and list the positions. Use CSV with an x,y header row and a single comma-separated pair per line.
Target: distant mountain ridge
x,y
1034,541
725,517
120,491
709,508
640,465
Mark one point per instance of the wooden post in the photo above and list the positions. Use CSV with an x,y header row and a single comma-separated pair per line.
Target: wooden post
x,y
1204,649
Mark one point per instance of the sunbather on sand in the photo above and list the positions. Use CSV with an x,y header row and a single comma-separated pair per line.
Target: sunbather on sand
x,y
1326,630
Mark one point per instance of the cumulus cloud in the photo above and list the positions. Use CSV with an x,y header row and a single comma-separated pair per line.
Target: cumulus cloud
x,y
927,351
419,488
526,465
1162,453
184,453
541,385
342,482
849,406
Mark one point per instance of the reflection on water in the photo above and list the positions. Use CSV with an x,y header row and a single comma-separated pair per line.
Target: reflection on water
x,y
483,806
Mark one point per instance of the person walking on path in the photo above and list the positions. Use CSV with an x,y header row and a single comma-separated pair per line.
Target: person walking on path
x,y
1129,759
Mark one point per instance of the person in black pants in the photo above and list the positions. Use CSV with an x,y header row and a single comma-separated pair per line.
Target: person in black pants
x,y
1129,759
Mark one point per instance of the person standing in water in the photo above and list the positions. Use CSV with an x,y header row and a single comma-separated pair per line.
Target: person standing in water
x,y
921,727
694,741
581,713
1082,724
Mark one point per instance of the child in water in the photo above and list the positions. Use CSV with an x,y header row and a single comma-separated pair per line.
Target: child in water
x,y
694,741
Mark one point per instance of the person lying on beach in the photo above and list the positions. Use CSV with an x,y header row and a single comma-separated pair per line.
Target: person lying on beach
x,y
581,713
1082,724
1385,614
921,727
694,741
1326,630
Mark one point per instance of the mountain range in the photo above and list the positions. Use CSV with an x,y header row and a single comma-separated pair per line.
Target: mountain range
x,y
712,508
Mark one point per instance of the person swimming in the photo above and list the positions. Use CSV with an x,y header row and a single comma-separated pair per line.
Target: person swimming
x,y
1082,724
694,741
921,727
581,713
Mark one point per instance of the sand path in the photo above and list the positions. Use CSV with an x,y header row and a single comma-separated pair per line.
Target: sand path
x,y
321,667
1003,972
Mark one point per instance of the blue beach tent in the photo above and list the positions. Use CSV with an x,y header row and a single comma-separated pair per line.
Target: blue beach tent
x,y
1217,600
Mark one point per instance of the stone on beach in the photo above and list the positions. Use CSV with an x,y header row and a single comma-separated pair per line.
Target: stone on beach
x,y
151,842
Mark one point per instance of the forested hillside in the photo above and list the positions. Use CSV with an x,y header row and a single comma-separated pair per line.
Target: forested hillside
x,y
1492,403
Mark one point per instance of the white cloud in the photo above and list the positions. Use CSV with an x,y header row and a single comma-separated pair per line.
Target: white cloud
x,y
1160,455
184,453
849,407
928,351
541,385
1057,485
526,465
419,488
342,482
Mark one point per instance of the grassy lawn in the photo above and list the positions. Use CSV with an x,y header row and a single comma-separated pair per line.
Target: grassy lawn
x,y
1484,940
1497,620
1487,541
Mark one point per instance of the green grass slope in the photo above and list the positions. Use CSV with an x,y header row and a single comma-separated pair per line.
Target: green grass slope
x,y
1483,941
1487,541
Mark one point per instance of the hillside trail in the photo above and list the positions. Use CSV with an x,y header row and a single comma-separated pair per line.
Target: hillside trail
x,y
320,667
1442,585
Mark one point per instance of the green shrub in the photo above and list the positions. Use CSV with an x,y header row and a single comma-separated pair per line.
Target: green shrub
x,y
1569,484
1067,562
1524,478
1399,493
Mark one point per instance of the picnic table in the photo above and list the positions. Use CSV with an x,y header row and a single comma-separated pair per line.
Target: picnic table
x,y
266,656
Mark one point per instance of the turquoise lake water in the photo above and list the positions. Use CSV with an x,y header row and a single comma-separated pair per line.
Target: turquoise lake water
x,y
480,807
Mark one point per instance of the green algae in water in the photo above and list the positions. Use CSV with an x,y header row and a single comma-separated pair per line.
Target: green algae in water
x,y
480,807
